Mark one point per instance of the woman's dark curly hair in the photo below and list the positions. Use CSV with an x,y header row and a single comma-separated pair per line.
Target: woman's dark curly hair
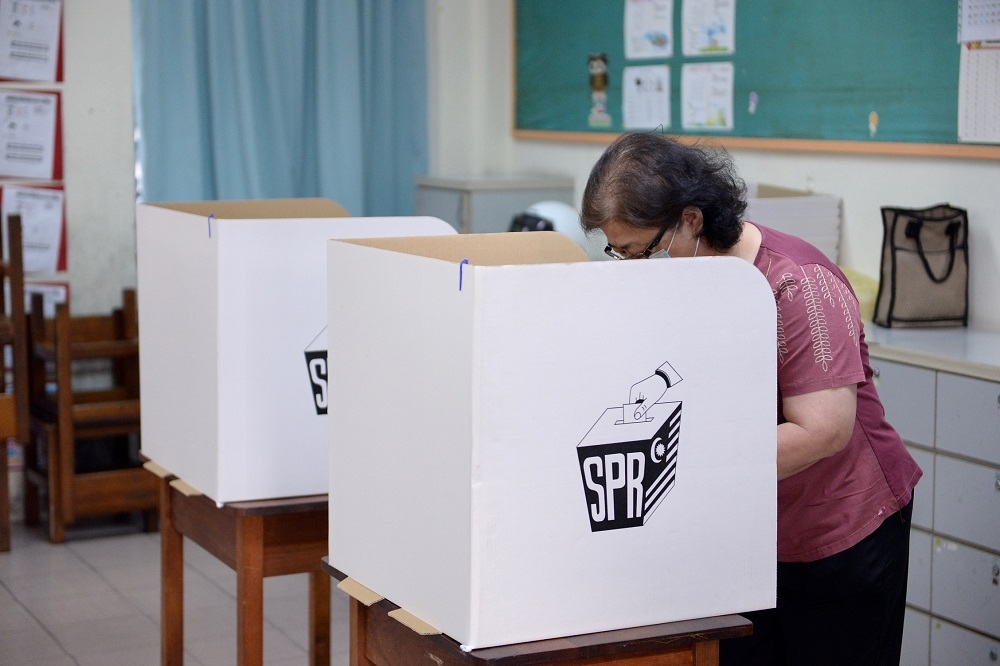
x,y
646,180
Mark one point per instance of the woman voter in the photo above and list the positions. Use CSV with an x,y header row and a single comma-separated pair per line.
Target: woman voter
x,y
845,480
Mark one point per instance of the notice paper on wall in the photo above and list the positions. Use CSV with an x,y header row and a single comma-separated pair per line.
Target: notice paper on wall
x,y
42,224
53,293
978,92
29,39
28,135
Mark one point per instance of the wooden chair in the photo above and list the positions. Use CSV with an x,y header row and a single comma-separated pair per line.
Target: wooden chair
x,y
64,417
13,334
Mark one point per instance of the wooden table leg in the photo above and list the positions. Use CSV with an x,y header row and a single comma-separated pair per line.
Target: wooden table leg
x,y
4,500
359,631
171,583
706,653
250,590
319,618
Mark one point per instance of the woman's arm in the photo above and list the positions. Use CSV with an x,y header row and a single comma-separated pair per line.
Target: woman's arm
x,y
818,425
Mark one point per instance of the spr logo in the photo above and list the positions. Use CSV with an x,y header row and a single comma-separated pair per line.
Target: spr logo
x,y
316,364
628,459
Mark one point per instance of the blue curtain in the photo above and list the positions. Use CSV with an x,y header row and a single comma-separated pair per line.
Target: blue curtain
x,y
261,99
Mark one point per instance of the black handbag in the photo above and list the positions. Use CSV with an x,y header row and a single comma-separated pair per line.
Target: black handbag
x,y
924,279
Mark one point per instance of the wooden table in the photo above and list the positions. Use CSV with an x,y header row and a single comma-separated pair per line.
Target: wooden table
x,y
256,540
379,640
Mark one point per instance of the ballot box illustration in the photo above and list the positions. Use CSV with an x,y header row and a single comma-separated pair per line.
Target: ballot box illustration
x,y
629,466
525,444
233,317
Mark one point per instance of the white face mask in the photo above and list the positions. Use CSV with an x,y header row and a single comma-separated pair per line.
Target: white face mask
x,y
665,254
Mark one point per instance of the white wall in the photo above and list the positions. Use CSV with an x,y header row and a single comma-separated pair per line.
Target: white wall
x,y
98,153
470,76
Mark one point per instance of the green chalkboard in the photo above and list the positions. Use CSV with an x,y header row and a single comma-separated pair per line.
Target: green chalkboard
x,y
804,71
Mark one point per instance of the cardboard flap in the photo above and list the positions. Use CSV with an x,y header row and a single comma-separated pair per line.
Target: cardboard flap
x,y
260,209
413,622
357,591
536,247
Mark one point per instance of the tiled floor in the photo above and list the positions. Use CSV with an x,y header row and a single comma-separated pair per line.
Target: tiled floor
x,y
95,599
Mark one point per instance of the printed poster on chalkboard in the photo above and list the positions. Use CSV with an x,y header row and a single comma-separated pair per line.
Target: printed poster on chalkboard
x,y
707,96
709,27
649,29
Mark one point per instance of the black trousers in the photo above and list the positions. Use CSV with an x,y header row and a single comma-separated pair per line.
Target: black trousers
x,y
843,609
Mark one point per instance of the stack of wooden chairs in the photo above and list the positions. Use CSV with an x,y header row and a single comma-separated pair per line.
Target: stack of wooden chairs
x,y
68,421
14,374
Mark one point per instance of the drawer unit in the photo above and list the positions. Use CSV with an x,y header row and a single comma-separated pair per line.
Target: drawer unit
x,y
951,646
923,494
968,417
941,391
965,586
487,204
916,639
967,501
907,393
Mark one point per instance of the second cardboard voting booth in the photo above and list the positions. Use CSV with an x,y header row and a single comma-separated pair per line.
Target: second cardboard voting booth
x,y
232,314
526,445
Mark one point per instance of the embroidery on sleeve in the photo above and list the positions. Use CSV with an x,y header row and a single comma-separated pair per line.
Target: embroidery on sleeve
x,y
847,300
782,342
786,287
817,321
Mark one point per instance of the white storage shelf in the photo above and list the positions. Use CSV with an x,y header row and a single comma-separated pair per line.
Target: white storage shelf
x,y
941,391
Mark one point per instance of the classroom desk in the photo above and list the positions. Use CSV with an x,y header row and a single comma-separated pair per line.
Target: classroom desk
x,y
379,640
255,539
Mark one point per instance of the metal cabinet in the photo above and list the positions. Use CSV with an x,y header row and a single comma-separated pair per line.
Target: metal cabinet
x,y
963,586
967,501
908,394
916,639
488,204
923,494
951,645
968,419
918,589
947,409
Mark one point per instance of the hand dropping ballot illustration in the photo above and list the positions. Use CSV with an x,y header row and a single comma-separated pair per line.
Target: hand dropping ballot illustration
x,y
628,459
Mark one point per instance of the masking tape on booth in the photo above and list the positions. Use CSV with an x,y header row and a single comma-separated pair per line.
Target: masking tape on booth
x,y
413,622
184,488
357,591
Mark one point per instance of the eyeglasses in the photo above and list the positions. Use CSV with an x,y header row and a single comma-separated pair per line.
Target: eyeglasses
x,y
615,254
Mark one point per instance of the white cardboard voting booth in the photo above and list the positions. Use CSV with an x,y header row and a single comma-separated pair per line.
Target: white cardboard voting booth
x,y
491,471
232,315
